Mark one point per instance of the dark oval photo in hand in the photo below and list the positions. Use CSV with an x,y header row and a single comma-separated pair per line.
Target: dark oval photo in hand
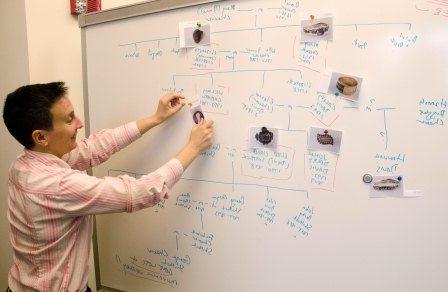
x,y
198,116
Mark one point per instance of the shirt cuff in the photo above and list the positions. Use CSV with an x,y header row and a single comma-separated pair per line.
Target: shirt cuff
x,y
171,172
126,134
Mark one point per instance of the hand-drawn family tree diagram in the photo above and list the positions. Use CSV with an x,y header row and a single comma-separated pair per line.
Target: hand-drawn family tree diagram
x,y
330,120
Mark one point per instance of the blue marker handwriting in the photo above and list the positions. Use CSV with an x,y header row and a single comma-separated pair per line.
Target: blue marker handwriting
x,y
212,151
264,163
432,111
360,44
260,55
258,104
205,58
388,163
267,213
308,52
228,207
404,40
217,12
301,223
325,107
299,86
288,10
202,241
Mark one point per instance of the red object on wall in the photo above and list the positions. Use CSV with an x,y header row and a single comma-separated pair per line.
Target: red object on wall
x,y
84,6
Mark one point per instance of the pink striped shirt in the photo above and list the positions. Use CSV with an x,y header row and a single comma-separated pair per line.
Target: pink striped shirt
x,y
51,203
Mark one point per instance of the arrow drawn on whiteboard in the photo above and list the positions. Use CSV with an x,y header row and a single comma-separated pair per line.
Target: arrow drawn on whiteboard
x,y
177,240
384,133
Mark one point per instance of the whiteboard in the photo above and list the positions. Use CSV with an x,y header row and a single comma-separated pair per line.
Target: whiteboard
x,y
289,218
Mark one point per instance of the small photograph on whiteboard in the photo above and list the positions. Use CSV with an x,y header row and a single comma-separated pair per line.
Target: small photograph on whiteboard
x,y
317,28
345,86
263,137
323,139
194,34
386,186
197,114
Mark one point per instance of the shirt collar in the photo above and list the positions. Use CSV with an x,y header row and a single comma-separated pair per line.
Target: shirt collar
x,y
45,158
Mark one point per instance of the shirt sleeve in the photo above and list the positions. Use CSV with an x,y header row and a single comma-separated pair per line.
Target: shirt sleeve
x,y
99,147
81,194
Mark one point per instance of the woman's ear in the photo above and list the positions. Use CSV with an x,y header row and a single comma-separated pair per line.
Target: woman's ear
x,y
40,138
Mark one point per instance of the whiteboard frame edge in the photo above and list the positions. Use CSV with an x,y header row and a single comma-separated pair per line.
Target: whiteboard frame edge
x,y
136,9
109,15
89,170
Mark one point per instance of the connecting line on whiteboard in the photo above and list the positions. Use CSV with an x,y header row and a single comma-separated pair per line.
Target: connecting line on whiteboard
x,y
290,107
271,27
136,175
262,83
233,176
244,184
292,130
289,119
375,24
255,29
234,71
202,222
238,71
147,41
384,133
298,25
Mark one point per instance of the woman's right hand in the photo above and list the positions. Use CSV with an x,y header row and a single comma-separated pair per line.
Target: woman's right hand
x,y
201,136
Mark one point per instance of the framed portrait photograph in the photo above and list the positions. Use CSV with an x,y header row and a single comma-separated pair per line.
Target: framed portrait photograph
x,y
197,114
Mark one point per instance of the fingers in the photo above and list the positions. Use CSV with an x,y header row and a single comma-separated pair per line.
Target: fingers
x,y
209,132
206,124
177,105
201,121
173,99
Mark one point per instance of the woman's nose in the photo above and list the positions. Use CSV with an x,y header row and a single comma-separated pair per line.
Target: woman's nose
x,y
80,124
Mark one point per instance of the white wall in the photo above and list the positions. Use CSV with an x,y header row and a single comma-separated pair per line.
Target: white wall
x,y
13,73
40,41
54,46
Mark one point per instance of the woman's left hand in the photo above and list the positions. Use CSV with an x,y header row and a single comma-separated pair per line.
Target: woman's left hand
x,y
169,104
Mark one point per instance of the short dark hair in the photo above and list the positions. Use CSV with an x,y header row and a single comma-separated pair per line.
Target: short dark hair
x,y
28,109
